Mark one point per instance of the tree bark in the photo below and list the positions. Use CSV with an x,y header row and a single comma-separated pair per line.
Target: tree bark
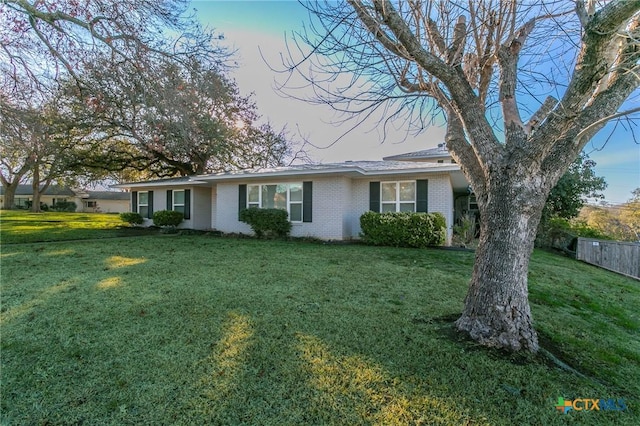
x,y
10,196
496,311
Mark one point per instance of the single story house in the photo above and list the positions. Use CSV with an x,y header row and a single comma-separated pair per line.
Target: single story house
x,y
323,200
86,201
103,201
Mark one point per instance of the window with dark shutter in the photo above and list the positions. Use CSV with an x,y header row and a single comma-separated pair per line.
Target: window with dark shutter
x,y
422,196
134,201
169,199
307,201
150,215
242,198
374,196
187,204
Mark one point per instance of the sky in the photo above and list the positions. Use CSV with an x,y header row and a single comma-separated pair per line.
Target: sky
x,y
258,32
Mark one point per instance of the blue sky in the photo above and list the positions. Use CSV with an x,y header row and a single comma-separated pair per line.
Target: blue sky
x,y
258,29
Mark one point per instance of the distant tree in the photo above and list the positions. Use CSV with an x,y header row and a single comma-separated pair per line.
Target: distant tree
x,y
168,119
15,157
488,68
570,193
630,215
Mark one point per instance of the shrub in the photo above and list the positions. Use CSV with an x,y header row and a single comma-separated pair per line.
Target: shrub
x,y
132,218
43,206
167,218
560,233
64,206
267,222
403,229
466,230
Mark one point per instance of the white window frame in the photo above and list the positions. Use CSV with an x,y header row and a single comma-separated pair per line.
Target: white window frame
x,y
397,201
184,200
145,204
289,202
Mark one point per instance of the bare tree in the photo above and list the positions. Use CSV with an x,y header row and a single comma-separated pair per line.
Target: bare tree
x,y
42,41
483,65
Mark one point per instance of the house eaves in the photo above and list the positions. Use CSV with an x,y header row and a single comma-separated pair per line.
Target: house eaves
x,y
188,180
349,169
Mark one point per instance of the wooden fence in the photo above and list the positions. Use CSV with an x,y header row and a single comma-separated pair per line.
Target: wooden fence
x,y
616,256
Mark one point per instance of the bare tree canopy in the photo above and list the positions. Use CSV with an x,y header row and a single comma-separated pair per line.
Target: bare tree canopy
x,y
41,40
523,87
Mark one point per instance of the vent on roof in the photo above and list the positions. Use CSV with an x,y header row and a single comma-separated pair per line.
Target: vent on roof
x,y
442,147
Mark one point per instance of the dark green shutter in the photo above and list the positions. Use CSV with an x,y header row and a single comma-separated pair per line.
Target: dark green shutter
x,y
169,199
187,204
374,196
422,196
150,209
307,201
242,198
134,201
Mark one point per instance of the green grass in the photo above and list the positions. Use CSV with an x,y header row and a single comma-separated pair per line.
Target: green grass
x,y
18,226
207,330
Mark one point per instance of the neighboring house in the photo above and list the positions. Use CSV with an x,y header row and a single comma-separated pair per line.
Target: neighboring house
x,y
86,201
323,201
52,195
103,202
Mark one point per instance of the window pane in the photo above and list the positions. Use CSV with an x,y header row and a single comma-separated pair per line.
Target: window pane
x,y
296,191
256,205
296,213
143,198
143,210
407,207
407,191
268,196
179,209
178,197
388,208
253,193
281,197
389,191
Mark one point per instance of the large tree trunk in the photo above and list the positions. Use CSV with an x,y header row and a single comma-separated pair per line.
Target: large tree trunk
x,y
35,185
496,311
10,196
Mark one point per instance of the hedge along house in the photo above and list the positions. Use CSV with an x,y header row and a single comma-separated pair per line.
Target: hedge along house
x,y
323,201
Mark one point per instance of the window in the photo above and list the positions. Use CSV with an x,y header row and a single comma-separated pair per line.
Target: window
x,y
285,196
21,202
143,203
178,201
92,204
398,196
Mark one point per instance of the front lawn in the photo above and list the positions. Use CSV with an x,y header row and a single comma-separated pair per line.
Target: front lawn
x,y
209,330
20,226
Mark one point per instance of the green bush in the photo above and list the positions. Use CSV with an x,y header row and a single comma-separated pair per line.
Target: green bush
x,y
132,218
64,206
267,222
43,206
167,218
403,229
560,233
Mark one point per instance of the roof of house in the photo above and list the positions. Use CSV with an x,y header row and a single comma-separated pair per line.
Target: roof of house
x,y
106,195
26,189
347,168
440,151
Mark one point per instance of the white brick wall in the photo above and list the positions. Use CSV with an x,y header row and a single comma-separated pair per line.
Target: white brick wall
x,y
200,209
338,203
330,200
440,198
